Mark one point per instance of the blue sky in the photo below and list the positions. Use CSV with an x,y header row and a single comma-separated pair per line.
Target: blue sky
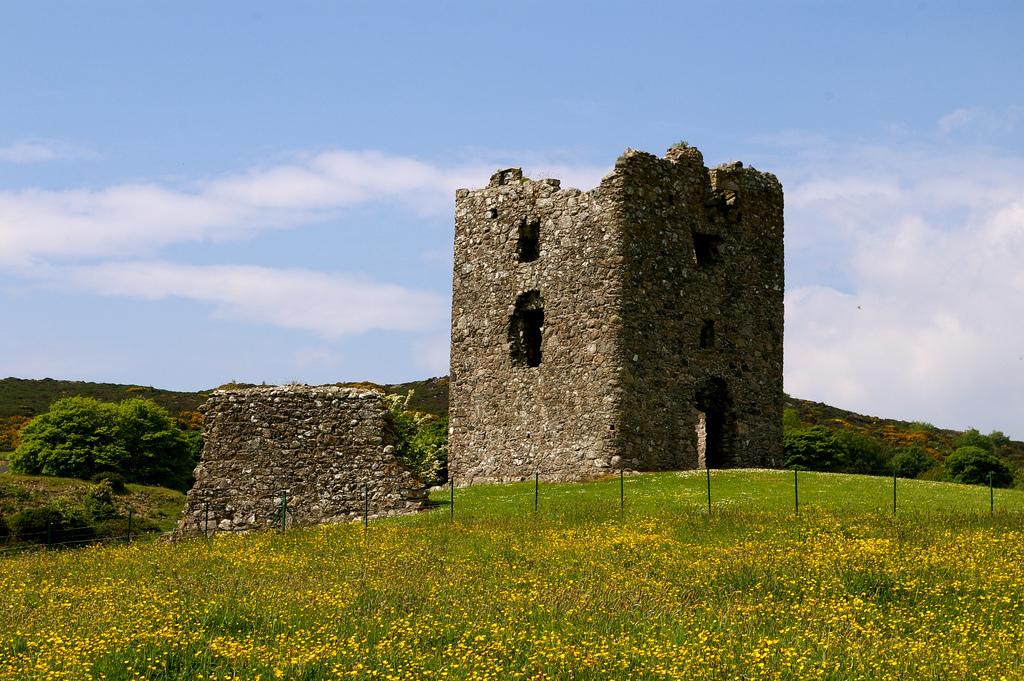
x,y
194,192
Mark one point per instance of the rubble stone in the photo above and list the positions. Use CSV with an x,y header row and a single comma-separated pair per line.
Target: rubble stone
x,y
322,448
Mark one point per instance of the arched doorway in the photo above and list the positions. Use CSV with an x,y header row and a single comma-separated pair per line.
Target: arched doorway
x,y
714,424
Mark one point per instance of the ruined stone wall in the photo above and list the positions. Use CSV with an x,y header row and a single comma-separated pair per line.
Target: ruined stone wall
x,y
703,304
321,445
509,419
629,317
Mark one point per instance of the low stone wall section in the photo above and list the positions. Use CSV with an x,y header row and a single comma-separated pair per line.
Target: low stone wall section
x,y
324,448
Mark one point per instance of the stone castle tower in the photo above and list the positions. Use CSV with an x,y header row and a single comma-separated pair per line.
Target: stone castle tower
x,y
636,325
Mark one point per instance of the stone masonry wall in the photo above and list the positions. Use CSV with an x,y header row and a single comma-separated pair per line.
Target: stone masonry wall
x,y
319,444
630,325
508,419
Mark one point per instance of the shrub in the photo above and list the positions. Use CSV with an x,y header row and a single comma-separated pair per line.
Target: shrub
x,y
860,453
811,448
972,438
81,436
912,462
99,502
422,440
57,522
116,481
973,465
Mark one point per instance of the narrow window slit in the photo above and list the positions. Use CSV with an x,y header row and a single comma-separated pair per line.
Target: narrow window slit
x,y
528,247
707,334
525,329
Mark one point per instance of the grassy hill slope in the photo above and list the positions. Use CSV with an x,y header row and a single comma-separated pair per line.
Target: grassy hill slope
x,y
890,433
23,397
660,589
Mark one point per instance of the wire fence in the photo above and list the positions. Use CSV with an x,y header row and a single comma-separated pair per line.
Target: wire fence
x,y
57,535
977,496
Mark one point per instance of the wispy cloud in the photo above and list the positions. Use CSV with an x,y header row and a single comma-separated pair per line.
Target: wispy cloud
x,y
958,119
138,219
130,220
34,151
330,305
928,322
979,119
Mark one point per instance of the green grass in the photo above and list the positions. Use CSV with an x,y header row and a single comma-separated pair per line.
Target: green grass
x,y
659,589
156,509
767,490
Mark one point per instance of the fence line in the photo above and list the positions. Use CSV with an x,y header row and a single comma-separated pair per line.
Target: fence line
x,y
708,476
59,536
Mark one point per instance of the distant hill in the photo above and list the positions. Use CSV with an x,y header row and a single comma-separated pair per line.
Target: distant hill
x,y
25,397
22,399
892,434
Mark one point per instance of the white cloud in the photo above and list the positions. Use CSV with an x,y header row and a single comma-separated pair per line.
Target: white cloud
x,y
137,219
331,305
958,119
129,220
931,324
34,151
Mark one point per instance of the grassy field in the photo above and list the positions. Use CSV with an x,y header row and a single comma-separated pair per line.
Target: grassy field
x,y
582,589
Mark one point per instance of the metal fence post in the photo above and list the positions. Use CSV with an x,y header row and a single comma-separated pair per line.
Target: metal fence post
x,y
893,490
284,509
536,489
451,506
622,488
366,504
708,471
991,496
206,518
796,492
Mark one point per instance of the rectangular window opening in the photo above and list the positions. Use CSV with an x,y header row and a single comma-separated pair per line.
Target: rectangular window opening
x,y
528,247
706,249
707,334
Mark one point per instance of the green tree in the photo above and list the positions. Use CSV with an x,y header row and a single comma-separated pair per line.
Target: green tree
x,y
811,448
973,465
790,420
76,438
912,462
998,440
81,436
159,452
860,453
422,440
972,438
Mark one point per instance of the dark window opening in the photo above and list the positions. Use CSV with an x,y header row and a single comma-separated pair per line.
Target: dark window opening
x,y
491,213
706,249
525,329
713,424
707,334
528,247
